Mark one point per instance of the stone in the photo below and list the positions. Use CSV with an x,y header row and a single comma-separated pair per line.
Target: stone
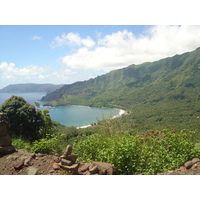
x,y
105,168
27,161
56,166
94,170
68,150
188,164
4,150
83,167
18,164
71,158
5,141
73,169
66,162
3,129
195,160
32,171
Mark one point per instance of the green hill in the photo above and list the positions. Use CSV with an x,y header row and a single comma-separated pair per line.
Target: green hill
x,y
165,93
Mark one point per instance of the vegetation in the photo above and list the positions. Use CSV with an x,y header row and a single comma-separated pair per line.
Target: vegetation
x,y
136,154
159,96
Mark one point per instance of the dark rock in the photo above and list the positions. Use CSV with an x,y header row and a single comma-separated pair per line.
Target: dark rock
x,y
18,164
4,150
5,141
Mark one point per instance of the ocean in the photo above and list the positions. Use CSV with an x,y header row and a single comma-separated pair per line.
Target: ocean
x,y
71,115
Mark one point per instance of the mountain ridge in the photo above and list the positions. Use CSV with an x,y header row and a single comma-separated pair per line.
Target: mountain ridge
x,y
30,87
160,94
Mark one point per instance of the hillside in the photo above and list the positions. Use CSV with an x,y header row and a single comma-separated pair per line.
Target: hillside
x,y
163,93
30,87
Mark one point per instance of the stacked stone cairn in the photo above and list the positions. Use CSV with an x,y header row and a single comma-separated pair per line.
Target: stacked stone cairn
x,y
68,161
6,146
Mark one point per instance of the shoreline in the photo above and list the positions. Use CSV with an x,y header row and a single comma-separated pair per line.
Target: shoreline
x,y
121,112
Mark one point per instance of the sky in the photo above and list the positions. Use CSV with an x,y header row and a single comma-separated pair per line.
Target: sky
x,y
63,54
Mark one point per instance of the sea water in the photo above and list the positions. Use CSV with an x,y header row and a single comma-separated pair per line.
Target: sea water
x,y
67,115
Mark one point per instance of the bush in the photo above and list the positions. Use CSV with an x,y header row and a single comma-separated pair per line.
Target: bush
x,y
139,154
47,145
21,144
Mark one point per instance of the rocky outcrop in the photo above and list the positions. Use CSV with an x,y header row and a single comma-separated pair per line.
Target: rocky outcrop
x,y
6,146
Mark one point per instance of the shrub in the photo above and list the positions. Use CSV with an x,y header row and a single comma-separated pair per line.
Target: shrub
x,y
48,145
139,154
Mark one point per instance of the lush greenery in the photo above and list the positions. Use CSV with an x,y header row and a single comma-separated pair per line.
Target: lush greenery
x,y
135,154
158,96
24,119
161,94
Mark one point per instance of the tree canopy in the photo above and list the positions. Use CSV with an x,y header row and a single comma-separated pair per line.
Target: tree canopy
x,y
24,119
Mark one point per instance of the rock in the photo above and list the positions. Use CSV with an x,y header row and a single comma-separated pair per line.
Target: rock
x,y
32,171
195,160
4,150
5,141
73,169
105,168
87,173
188,164
18,164
56,166
72,158
66,162
23,151
83,167
68,150
27,161
94,170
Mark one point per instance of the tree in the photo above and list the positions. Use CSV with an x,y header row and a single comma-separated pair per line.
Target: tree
x,y
23,118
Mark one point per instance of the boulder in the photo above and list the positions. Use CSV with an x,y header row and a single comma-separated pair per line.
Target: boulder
x,y
188,164
83,167
105,168
18,164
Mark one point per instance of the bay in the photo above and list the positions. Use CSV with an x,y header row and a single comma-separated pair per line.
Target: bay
x,y
67,115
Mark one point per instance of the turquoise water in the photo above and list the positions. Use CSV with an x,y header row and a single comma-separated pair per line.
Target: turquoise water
x,y
67,115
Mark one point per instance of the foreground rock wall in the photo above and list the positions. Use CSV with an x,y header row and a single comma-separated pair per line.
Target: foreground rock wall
x,y
6,146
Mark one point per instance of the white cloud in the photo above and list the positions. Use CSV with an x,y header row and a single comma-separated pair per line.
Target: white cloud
x,y
72,39
123,48
36,38
11,74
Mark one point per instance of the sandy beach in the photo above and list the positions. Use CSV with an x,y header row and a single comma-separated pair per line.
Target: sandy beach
x,y
121,112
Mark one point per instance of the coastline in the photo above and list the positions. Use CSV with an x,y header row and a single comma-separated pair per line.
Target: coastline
x,y
121,112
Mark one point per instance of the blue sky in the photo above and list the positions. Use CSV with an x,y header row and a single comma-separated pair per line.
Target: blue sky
x,y
68,53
